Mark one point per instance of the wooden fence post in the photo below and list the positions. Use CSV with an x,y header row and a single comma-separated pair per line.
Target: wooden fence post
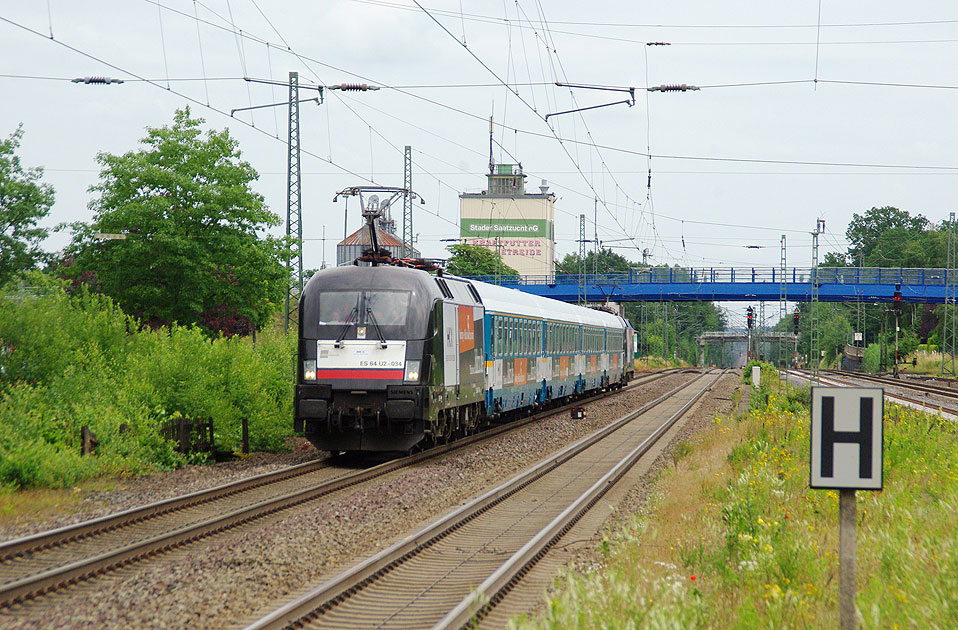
x,y
183,433
87,440
209,420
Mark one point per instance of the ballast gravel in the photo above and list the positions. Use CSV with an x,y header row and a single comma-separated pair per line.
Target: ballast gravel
x,y
225,580
127,493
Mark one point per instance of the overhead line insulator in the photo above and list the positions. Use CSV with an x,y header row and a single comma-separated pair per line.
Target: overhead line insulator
x,y
353,87
673,88
96,80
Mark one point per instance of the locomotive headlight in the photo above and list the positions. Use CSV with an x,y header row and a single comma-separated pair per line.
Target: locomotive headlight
x,y
412,372
309,370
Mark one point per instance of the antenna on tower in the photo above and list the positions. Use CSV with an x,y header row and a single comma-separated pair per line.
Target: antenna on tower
x,y
491,163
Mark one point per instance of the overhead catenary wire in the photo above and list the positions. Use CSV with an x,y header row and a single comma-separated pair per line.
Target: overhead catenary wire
x,y
585,195
372,129
183,95
526,103
617,149
492,18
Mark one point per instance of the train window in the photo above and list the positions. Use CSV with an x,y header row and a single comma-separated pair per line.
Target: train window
x,y
501,347
516,339
504,329
387,308
335,307
505,336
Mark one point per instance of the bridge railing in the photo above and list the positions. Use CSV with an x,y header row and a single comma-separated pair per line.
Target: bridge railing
x,y
707,275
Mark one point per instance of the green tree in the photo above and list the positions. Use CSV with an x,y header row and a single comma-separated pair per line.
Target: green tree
x,y
475,260
605,261
192,252
877,237
23,202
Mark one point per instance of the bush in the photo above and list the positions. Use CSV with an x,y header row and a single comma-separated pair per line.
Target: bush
x,y
768,370
66,362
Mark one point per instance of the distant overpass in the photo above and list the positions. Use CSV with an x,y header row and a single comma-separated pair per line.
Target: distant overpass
x,y
741,284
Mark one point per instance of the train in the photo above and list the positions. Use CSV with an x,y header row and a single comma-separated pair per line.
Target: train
x,y
392,359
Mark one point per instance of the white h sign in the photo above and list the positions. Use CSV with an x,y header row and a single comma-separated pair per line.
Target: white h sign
x,y
847,438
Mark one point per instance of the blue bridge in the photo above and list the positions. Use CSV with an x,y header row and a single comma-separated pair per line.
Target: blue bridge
x,y
741,284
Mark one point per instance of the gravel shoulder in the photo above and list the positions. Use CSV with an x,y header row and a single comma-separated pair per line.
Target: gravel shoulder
x,y
222,581
21,516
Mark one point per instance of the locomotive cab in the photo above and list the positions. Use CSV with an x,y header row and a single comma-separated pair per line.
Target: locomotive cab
x,y
363,337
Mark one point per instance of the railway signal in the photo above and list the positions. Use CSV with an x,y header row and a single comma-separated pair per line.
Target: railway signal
x,y
795,322
749,313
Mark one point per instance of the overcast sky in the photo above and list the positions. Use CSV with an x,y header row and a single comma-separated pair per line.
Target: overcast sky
x,y
759,151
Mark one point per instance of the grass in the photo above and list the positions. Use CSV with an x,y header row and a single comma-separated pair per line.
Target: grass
x,y
29,505
657,363
734,538
927,363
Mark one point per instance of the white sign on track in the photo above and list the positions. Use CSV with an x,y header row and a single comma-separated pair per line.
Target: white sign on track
x,y
846,437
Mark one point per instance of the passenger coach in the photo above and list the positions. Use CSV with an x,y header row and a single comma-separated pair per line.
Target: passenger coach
x,y
391,357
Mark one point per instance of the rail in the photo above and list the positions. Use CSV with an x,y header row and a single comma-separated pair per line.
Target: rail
x,y
79,552
464,532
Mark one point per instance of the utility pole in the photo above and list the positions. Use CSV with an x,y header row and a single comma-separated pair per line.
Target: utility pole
x,y
595,240
783,311
407,205
814,356
896,305
498,260
951,283
582,288
294,223
895,370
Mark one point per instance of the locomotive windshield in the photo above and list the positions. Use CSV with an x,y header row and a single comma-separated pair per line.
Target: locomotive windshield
x,y
387,308
336,307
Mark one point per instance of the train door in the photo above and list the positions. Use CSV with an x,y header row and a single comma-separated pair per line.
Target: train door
x,y
450,344
579,353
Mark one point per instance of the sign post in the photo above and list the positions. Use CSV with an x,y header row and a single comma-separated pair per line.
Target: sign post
x,y
846,454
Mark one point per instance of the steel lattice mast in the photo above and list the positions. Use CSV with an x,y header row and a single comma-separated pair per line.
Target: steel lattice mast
x,y
948,341
813,354
407,234
783,311
294,224
582,288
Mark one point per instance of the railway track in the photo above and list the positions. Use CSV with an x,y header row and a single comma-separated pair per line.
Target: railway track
x,y
938,390
39,564
454,571
924,403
